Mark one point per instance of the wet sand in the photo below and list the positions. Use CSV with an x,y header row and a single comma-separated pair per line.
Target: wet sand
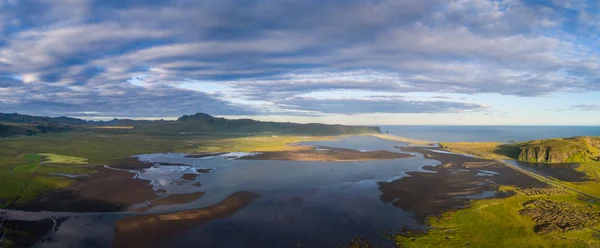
x,y
329,154
155,230
457,180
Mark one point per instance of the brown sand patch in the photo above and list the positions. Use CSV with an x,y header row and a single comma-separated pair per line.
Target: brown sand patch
x,y
189,176
427,194
153,230
329,154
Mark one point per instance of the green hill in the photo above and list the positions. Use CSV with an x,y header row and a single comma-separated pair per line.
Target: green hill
x,y
200,123
8,130
560,150
29,119
203,123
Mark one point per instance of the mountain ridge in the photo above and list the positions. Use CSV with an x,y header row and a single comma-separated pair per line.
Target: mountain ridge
x,y
199,123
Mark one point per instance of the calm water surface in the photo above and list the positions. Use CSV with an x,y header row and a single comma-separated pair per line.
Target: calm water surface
x,y
490,133
316,204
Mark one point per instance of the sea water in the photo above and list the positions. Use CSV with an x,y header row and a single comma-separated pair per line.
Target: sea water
x,y
490,133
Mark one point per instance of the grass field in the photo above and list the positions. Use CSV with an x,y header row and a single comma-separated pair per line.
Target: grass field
x,y
256,143
21,158
30,160
592,171
481,149
52,158
497,223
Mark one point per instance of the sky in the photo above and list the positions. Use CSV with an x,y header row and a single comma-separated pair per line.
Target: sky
x,y
385,62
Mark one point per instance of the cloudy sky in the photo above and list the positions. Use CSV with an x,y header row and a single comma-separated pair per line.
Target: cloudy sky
x,y
505,62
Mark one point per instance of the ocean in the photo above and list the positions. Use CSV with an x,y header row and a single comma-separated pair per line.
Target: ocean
x,y
489,133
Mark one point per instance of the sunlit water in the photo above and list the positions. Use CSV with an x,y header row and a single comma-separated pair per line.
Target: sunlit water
x,y
490,133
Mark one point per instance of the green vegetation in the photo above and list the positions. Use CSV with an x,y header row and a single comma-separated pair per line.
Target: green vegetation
x,y
592,172
8,130
498,223
257,144
197,124
22,170
482,149
567,150
203,123
558,150
585,152
52,158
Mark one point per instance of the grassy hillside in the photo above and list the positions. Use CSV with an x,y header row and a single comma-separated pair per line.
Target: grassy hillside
x,y
203,123
8,130
193,124
560,150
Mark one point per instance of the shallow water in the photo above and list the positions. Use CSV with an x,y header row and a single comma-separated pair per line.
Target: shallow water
x,y
317,204
564,172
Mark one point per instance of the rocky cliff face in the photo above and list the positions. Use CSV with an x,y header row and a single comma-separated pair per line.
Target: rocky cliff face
x,y
570,150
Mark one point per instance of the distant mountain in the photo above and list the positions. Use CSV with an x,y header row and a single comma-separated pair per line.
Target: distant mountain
x,y
199,123
204,123
560,150
28,119
7,130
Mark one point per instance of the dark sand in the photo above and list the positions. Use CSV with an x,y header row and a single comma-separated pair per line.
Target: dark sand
x,y
330,154
155,230
426,194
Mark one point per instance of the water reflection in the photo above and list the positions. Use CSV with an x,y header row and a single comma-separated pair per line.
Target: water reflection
x,y
314,204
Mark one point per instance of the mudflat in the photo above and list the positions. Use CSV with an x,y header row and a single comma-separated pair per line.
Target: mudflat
x,y
106,190
457,180
329,154
173,199
155,230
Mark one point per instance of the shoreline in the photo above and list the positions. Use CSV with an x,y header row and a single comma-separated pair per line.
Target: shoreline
x,y
456,181
409,141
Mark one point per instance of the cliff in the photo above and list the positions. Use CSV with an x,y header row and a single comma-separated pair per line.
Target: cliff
x,y
567,150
